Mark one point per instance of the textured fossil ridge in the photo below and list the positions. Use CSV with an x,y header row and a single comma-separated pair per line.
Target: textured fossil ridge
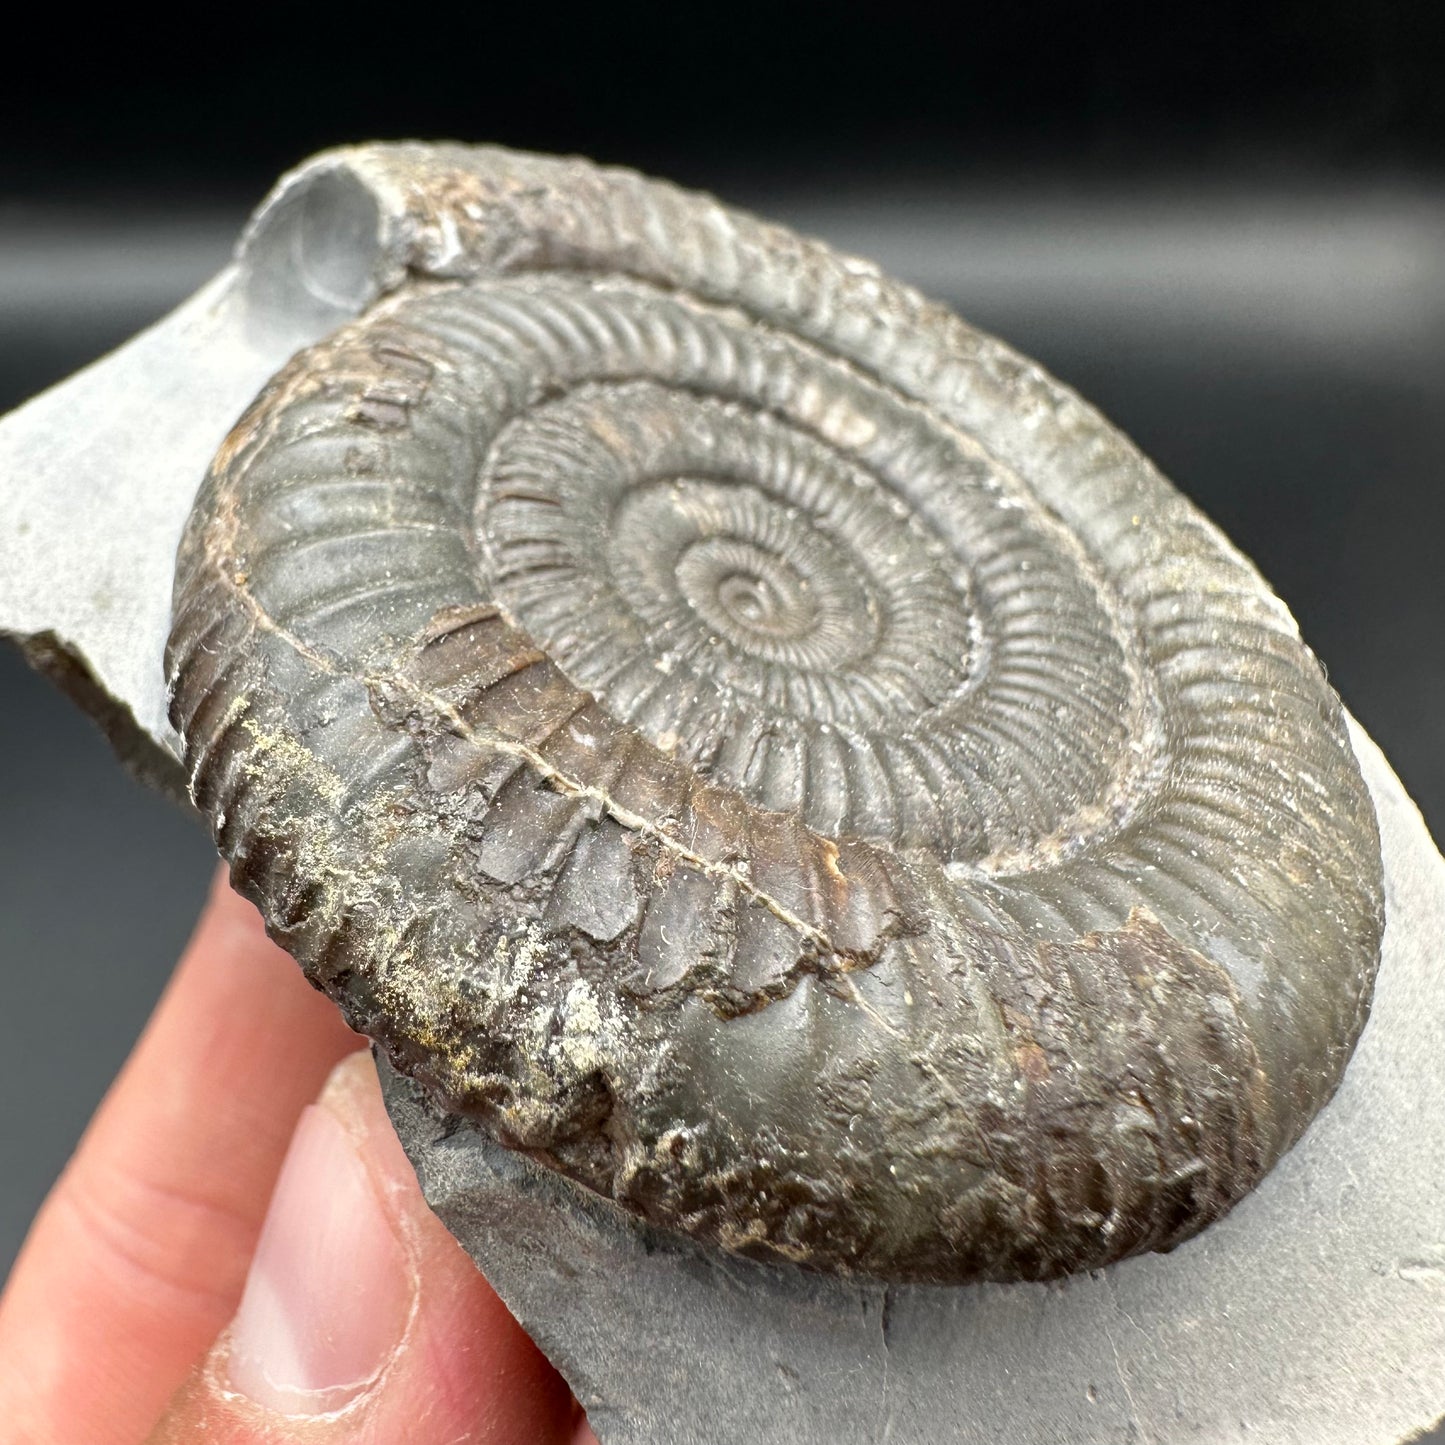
x,y
765,749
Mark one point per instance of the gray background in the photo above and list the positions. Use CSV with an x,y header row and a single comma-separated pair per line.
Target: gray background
x,y
1279,350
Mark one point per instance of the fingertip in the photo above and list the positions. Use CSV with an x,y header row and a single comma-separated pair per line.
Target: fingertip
x,y
355,1277
466,1347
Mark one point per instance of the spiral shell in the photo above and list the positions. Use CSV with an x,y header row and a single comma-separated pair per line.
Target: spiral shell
x,y
767,750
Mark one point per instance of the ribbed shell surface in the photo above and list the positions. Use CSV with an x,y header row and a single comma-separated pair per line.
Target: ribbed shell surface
x,y
767,750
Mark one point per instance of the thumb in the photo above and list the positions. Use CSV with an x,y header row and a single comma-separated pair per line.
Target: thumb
x,y
362,1319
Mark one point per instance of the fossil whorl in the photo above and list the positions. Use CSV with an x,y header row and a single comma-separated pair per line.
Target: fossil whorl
x,y
766,749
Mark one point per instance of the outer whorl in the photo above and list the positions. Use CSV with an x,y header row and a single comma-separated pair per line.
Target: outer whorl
x,y
767,750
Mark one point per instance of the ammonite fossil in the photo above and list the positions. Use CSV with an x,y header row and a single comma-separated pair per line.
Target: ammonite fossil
x,y
767,750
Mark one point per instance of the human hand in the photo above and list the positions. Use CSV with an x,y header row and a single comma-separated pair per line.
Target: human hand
x,y
239,1251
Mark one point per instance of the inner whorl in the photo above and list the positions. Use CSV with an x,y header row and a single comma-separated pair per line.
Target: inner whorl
x,y
767,750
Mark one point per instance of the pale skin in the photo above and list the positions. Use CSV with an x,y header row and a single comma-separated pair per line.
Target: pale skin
x,y
129,1317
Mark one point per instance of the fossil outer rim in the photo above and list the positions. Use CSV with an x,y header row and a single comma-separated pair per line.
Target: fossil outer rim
x,y
764,748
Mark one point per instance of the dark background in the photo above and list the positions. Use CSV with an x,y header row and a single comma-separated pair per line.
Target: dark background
x,y
1222,223
840,94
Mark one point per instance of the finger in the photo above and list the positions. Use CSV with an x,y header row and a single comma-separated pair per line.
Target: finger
x,y
362,1320
139,1255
